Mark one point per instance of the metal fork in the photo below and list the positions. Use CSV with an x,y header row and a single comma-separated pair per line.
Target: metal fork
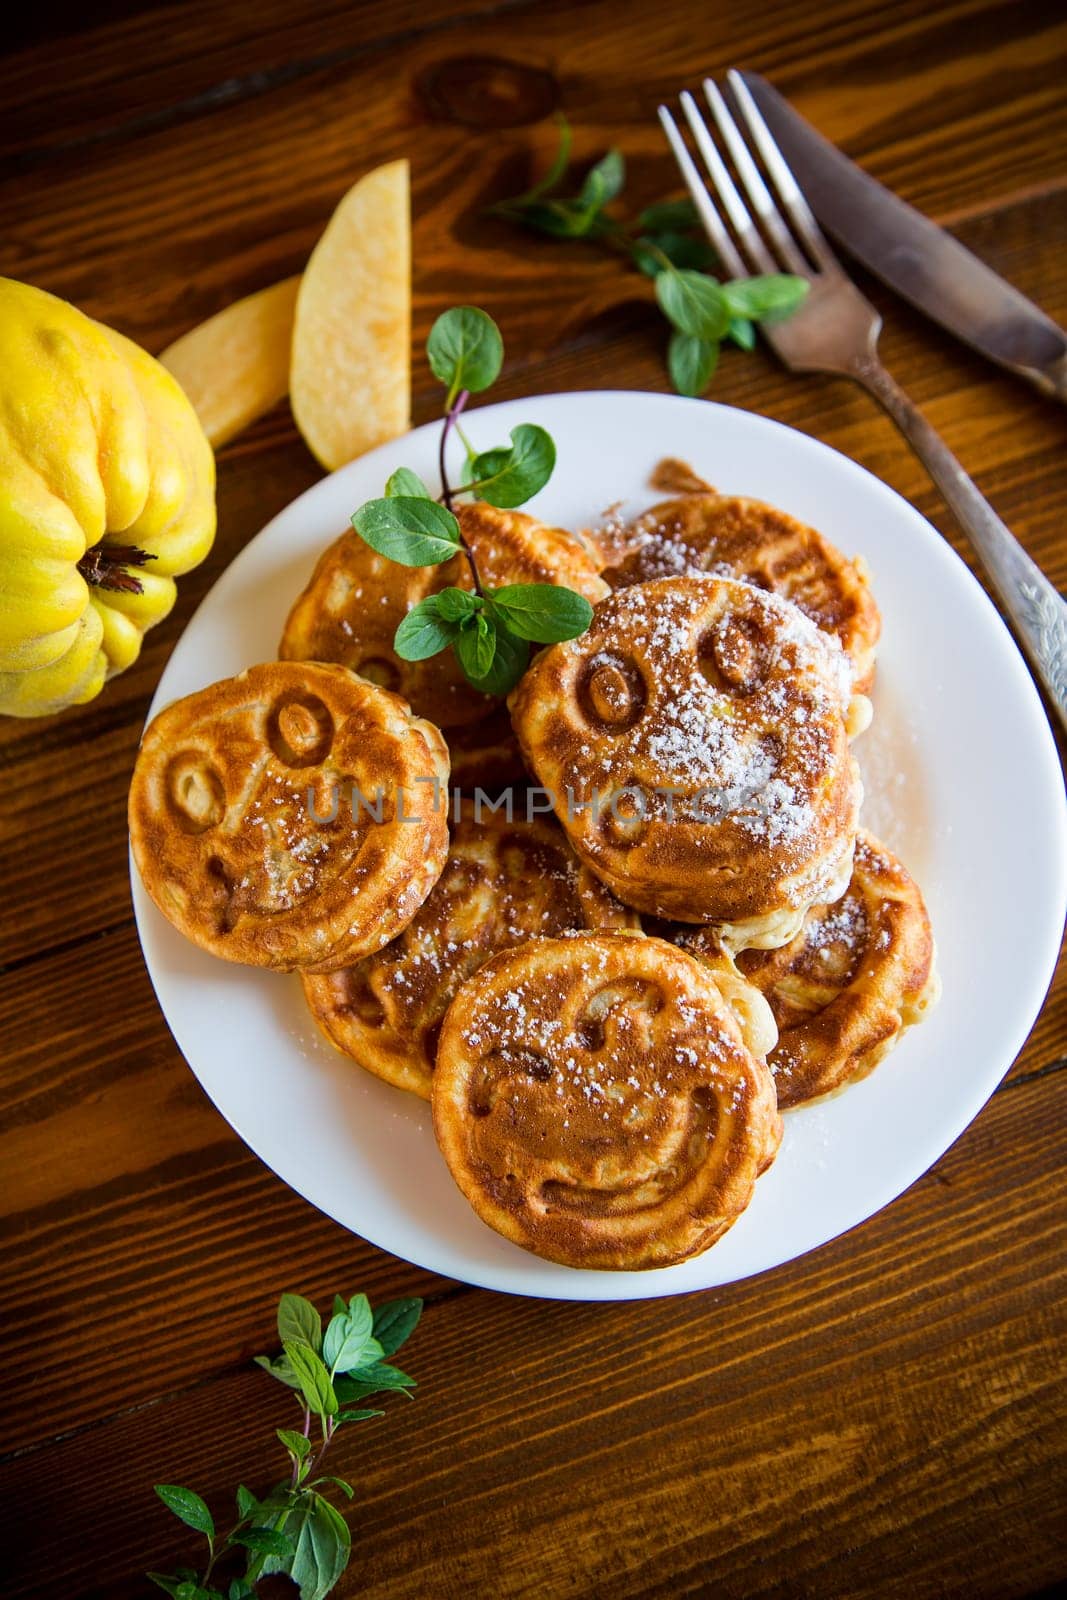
x,y
836,330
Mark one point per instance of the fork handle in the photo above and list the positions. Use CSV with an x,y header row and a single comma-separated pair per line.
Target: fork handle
x,y
1037,610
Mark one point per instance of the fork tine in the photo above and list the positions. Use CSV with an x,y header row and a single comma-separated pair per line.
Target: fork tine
x,y
789,191
713,225
748,234
759,196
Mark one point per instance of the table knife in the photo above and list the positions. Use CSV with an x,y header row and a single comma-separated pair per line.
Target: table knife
x,y
913,256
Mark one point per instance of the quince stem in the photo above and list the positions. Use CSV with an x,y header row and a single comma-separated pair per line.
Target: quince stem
x,y
105,567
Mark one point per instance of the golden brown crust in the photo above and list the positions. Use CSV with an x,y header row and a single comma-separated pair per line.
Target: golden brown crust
x,y
596,1102
504,882
356,600
719,711
733,536
857,975
243,825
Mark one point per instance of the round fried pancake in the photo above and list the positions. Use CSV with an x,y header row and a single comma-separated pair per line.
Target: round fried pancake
x,y
735,537
486,755
504,882
356,600
843,992
695,745
247,824
597,1103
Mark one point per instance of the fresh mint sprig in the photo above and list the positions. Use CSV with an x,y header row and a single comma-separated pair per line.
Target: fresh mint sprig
x,y
294,1529
489,630
665,243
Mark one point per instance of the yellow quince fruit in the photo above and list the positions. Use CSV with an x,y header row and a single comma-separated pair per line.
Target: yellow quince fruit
x,y
107,494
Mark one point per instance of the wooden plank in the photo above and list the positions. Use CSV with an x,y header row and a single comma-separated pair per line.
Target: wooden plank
x,y
126,1186
196,59
220,205
880,1417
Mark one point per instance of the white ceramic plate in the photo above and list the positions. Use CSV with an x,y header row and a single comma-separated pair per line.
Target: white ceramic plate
x,y
963,781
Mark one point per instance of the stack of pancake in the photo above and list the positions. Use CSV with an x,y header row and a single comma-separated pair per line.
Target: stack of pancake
x,y
608,1009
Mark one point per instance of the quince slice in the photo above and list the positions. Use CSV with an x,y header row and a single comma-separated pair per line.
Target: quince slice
x,y
350,380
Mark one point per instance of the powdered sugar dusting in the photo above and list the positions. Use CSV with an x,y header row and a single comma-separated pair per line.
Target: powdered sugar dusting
x,y
738,719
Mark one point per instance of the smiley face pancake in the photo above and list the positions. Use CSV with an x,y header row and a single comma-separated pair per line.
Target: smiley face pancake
x,y
596,1101
734,537
356,600
857,975
694,741
504,882
248,828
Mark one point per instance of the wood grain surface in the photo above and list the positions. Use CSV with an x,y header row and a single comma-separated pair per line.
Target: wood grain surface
x,y
884,1417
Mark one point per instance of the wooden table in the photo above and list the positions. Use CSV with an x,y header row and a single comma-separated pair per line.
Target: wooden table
x,y
880,1418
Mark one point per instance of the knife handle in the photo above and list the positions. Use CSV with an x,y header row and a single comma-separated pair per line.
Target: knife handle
x,y
1037,610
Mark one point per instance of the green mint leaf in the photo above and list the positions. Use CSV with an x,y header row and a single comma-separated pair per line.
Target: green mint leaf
x,y
187,1507
509,664
508,477
691,362
560,163
562,219
169,1586
241,1589
361,1315
693,303
329,1544
742,332
682,250
475,645
339,1303
349,1337
299,1322
358,1416
342,1484
349,1390
321,1544
465,350
559,220
669,216
421,634
542,612
265,1541
455,604
279,1367
582,219
415,532
298,1444
765,299
647,259
376,1378
405,482
395,1322
315,1383
246,1500
603,183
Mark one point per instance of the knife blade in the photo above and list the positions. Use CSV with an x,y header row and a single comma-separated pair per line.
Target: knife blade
x,y
913,256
